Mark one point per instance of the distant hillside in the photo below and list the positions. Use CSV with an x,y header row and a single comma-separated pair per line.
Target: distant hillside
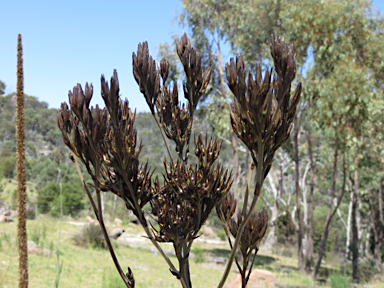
x,y
42,133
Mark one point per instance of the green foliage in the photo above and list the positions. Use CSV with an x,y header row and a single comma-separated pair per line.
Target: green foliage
x,y
46,196
40,121
337,280
5,238
39,234
286,228
2,87
368,269
199,254
48,199
8,166
73,200
168,52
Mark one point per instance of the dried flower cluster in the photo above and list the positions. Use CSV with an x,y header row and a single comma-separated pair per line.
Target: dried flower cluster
x,y
105,141
182,205
264,109
251,236
261,116
190,193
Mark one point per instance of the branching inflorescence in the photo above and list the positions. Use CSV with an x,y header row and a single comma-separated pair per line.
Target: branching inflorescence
x,y
105,141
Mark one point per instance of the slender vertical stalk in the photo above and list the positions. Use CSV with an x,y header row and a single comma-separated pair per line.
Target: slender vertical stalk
x,y
376,229
164,138
259,184
182,254
103,228
99,216
20,166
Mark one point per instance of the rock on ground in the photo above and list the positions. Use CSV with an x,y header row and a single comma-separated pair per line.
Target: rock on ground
x,y
33,249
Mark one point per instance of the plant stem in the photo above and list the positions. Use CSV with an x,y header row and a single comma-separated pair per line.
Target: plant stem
x,y
73,159
246,196
182,254
250,268
164,138
59,267
106,237
144,224
99,216
20,167
259,183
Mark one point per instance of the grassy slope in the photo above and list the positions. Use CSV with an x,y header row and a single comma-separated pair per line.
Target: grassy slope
x,y
93,267
87,267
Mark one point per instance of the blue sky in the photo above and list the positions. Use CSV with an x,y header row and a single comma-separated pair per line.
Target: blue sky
x,y
70,42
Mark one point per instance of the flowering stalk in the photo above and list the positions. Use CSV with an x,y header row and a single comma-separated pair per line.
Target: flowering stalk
x,y
105,141
182,205
261,116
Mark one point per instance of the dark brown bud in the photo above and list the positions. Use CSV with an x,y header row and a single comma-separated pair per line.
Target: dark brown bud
x,y
164,70
196,81
146,75
227,207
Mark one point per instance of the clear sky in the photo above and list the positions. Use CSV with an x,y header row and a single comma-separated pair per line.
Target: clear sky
x,y
70,42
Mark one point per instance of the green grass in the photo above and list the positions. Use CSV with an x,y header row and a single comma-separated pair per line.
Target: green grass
x,y
93,267
88,267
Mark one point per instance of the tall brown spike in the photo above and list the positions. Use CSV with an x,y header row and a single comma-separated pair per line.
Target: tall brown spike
x,y
20,167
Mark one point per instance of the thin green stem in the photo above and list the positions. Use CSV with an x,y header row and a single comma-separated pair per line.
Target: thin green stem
x,y
250,268
59,267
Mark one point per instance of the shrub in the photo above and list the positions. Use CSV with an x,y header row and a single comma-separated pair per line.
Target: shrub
x,y
90,235
368,269
7,166
199,254
337,280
